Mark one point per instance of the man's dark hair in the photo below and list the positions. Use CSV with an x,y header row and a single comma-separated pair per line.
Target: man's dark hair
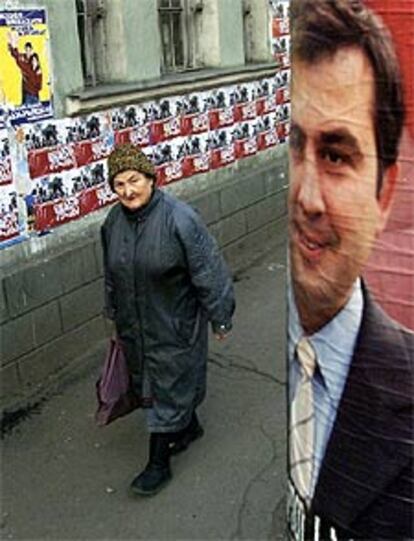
x,y
322,27
28,44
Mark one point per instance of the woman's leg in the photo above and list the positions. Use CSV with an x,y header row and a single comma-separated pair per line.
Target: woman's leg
x,y
157,472
186,436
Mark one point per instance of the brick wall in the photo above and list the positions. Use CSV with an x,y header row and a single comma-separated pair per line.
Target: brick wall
x,y
51,291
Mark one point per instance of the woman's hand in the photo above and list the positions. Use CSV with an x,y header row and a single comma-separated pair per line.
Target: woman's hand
x,y
221,336
221,332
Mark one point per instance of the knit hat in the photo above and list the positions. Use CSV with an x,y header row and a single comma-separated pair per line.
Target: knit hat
x,y
128,157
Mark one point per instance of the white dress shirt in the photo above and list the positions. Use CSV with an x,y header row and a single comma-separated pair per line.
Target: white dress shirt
x,y
334,345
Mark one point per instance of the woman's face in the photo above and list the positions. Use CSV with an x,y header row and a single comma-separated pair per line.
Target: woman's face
x,y
133,189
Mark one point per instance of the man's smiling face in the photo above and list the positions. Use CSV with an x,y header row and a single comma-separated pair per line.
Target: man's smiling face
x,y
334,211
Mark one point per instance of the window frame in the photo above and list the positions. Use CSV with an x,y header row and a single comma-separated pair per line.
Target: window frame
x,y
187,11
91,20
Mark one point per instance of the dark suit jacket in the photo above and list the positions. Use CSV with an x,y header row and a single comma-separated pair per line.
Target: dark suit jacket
x,y
365,487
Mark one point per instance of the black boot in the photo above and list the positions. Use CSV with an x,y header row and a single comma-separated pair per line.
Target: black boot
x,y
157,472
183,438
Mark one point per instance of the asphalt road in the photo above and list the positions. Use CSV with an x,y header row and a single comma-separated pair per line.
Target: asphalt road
x,y
63,478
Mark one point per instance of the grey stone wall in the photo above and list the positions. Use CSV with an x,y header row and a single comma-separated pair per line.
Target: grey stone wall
x,y
51,292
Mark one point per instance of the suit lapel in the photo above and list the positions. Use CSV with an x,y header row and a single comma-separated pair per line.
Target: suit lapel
x,y
361,457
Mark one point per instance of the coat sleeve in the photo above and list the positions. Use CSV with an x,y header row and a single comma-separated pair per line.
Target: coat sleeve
x,y
109,303
207,268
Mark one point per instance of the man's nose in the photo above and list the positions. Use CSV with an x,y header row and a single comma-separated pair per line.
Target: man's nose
x,y
128,190
310,195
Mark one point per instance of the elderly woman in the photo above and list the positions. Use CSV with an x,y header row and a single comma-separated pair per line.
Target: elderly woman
x,y
164,280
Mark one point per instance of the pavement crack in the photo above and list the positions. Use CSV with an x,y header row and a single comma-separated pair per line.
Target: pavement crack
x,y
271,439
260,475
225,362
274,533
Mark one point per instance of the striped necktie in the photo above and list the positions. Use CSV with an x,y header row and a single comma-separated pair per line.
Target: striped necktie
x,y
302,422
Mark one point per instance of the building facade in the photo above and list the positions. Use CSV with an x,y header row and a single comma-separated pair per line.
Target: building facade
x,y
202,86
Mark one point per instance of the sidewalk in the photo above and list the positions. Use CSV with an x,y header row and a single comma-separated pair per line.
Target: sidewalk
x,y
64,478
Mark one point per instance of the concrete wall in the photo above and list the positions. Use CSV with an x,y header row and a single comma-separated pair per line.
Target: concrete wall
x,y
51,288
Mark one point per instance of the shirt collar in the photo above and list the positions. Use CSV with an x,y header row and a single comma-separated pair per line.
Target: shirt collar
x,y
334,343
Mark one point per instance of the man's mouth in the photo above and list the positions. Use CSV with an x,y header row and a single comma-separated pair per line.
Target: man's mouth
x,y
311,245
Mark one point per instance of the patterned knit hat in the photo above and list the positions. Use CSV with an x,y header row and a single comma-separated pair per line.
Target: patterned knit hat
x,y
125,157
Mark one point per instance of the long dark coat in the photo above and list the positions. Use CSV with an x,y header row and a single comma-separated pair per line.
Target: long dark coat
x,y
164,279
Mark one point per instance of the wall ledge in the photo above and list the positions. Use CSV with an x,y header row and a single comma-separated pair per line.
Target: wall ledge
x,y
88,100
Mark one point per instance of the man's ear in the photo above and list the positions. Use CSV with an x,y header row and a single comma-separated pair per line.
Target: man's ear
x,y
386,195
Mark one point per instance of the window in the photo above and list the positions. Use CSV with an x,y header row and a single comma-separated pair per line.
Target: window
x,y
179,20
91,16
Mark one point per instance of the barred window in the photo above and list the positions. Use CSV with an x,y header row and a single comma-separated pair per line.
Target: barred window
x,y
91,18
178,28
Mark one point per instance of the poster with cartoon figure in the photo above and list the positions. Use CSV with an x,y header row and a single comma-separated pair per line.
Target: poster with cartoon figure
x,y
25,86
131,124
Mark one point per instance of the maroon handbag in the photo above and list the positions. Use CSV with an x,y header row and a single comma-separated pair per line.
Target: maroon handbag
x,y
113,389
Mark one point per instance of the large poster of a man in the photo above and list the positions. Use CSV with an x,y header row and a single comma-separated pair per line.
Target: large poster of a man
x,y
351,372
24,58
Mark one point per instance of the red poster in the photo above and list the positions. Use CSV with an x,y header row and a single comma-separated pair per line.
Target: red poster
x,y
267,139
196,164
282,95
46,161
195,123
220,118
244,111
245,147
96,197
265,105
282,129
221,157
169,172
90,151
138,135
54,213
162,130
280,27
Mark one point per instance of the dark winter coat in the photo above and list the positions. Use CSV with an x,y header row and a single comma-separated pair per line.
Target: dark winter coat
x,y
164,279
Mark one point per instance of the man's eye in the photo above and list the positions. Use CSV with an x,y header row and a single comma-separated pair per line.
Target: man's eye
x,y
333,157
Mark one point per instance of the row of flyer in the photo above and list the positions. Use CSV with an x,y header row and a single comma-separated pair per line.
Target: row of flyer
x,y
60,165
